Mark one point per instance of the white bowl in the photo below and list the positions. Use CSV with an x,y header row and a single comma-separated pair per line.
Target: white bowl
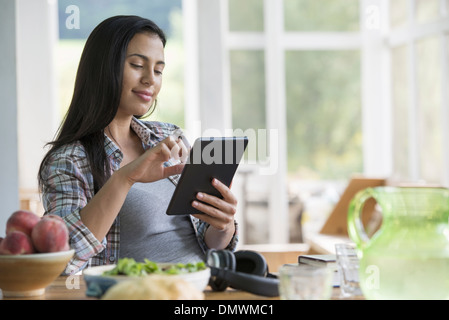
x,y
97,283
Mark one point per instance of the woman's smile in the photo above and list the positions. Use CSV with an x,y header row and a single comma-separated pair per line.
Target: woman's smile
x,y
145,95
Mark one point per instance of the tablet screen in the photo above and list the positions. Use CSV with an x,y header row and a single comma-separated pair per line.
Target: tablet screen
x,y
209,158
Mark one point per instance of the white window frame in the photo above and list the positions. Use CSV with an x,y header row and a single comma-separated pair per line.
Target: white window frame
x,y
408,36
274,41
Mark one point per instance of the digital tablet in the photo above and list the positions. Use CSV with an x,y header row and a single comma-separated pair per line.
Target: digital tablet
x,y
215,157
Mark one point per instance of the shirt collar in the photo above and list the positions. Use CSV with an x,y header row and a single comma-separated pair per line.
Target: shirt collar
x,y
112,150
147,136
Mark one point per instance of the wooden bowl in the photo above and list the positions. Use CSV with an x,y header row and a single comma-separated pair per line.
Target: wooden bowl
x,y
29,274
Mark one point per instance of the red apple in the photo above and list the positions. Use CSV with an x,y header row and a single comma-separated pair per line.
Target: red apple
x,y
50,234
16,242
22,220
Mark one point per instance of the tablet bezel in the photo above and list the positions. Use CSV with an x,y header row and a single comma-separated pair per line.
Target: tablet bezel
x,y
198,172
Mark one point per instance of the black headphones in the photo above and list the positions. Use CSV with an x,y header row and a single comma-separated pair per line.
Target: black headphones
x,y
244,270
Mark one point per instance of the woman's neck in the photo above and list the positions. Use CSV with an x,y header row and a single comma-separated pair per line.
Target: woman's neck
x,y
120,131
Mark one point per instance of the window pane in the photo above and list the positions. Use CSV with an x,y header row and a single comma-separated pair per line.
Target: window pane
x,y
429,103
322,15
427,10
398,13
400,113
67,58
248,93
248,115
170,107
246,15
323,114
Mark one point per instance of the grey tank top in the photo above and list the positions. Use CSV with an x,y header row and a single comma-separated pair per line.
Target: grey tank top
x,y
146,231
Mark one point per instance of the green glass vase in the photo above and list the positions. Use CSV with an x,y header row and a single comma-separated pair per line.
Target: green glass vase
x,y
408,257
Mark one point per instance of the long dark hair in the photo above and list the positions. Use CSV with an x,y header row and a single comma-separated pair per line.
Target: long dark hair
x,y
97,91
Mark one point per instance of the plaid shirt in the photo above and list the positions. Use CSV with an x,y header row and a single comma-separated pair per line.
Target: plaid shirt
x,y
69,187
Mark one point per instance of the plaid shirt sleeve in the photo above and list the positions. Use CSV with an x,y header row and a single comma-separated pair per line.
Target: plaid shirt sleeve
x,y
66,191
201,228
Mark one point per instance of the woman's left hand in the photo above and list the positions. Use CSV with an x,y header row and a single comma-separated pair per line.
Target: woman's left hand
x,y
219,214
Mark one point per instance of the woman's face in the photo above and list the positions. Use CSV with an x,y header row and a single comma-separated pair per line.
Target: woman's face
x,y
142,74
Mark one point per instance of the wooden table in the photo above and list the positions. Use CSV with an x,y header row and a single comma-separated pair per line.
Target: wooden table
x,y
62,289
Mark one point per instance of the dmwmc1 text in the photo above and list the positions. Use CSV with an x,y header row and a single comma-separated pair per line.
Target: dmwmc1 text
x,y
225,309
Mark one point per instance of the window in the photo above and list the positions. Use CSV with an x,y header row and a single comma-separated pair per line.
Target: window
x,y
355,87
323,15
295,68
246,15
419,49
323,114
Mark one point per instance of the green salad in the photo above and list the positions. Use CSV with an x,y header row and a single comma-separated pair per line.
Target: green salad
x,y
129,267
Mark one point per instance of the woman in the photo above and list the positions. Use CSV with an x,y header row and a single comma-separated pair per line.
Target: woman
x,y
109,175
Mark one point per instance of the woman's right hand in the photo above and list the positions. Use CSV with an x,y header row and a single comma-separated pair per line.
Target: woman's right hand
x,y
149,167
99,214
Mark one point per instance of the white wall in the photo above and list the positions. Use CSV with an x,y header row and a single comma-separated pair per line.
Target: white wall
x,y
9,197
28,36
37,100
